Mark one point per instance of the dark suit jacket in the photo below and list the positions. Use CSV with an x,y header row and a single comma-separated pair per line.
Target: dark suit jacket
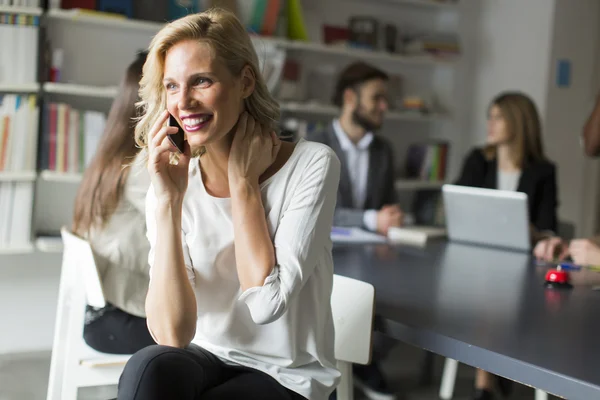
x,y
538,181
380,181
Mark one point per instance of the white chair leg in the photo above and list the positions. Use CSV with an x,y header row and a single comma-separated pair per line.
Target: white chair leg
x,y
69,391
448,379
540,395
345,390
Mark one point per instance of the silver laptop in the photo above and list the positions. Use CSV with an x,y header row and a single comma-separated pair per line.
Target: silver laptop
x,y
486,216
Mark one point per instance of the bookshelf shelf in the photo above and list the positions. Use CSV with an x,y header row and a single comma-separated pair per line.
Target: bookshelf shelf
x,y
20,176
101,92
414,184
96,18
37,11
19,87
431,4
64,177
331,111
23,249
350,52
77,15
49,244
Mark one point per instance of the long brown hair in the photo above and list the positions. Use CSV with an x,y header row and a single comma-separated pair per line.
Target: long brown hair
x,y
522,121
104,179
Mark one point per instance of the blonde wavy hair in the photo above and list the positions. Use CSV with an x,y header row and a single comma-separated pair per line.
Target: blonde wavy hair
x,y
229,41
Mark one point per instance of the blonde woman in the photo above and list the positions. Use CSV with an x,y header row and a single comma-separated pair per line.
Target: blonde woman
x,y
239,225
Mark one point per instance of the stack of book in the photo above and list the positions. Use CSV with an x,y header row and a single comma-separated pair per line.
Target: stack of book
x,y
69,137
16,204
18,132
427,161
19,35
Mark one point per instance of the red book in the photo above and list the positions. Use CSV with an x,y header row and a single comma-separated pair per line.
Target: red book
x,y
89,4
52,136
270,19
4,144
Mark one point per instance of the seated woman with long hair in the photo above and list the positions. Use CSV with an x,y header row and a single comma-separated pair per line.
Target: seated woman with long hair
x,y
110,214
513,159
239,224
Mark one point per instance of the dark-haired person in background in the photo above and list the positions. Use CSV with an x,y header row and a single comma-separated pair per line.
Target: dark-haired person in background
x,y
366,194
513,159
583,251
110,214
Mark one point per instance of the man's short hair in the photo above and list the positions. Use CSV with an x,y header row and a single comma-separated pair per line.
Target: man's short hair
x,y
353,75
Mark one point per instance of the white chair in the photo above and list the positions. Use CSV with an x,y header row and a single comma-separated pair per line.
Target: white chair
x,y
74,364
449,379
352,304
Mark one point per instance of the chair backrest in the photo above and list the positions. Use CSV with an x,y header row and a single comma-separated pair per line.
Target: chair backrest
x,y
352,304
78,253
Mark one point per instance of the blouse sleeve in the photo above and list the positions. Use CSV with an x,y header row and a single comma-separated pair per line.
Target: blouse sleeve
x,y
302,235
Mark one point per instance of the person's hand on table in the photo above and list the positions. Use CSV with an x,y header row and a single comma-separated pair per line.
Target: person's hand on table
x,y
585,252
551,249
389,216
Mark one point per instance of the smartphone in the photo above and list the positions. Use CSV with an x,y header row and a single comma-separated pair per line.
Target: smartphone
x,y
178,139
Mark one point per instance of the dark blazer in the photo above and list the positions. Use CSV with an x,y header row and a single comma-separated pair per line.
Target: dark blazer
x,y
538,181
380,180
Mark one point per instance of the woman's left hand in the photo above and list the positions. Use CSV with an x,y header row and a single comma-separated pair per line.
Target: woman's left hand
x,y
253,150
585,252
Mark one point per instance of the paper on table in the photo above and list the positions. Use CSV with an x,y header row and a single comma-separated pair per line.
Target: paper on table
x,y
355,235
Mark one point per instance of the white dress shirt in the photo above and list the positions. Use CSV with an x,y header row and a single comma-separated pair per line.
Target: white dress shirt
x,y
285,327
508,180
357,165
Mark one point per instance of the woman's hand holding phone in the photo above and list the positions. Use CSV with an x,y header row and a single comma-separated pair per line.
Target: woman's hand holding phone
x,y
169,181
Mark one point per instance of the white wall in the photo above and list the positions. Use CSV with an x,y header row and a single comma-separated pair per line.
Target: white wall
x,y
575,38
513,48
28,296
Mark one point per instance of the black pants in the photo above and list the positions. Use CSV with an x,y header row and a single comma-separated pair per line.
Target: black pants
x,y
164,373
112,330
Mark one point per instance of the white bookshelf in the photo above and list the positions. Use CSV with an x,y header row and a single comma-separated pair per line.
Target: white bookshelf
x,y
12,250
63,177
19,176
71,89
415,184
49,244
425,4
370,55
95,18
6,87
36,11
332,111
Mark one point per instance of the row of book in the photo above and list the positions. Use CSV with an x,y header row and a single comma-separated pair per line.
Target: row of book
x,y
69,137
19,116
19,35
427,161
20,3
16,204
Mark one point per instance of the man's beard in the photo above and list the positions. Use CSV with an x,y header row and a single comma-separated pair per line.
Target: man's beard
x,y
363,121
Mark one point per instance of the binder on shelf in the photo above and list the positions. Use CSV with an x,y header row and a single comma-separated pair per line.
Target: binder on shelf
x,y
18,132
69,138
427,161
19,33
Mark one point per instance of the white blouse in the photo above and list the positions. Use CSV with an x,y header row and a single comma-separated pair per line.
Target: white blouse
x,y
285,327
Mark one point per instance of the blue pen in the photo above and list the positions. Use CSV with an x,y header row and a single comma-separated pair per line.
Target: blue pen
x,y
341,231
569,266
